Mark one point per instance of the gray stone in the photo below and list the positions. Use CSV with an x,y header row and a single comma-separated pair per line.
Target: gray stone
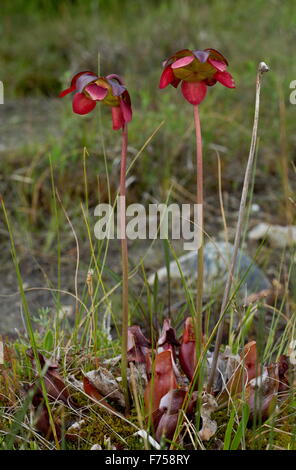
x,y
217,258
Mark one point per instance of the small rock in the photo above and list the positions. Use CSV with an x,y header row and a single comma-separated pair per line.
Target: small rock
x,y
96,447
217,258
278,236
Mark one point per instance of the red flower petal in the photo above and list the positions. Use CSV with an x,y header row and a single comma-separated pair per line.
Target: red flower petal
x,y
194,92
225,78
216,55
68,90
96,92
166,78
117,118
221,66
74,82
125,106
85,72
84,80
182,62
117,89
116,77
82,105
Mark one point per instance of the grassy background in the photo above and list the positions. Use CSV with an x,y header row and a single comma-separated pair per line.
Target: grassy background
x,y
44,43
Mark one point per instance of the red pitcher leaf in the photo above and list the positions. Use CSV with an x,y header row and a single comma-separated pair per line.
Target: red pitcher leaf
x,y
246,370
188,359
148,363
55,386
156,417
54,383
249,357
138,346
169,408
166,426
162,380
93,392
42,422
167,339
173,400
187,355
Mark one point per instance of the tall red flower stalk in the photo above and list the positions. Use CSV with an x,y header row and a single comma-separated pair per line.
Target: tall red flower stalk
x,y
110,90
200,254
197,70
124,262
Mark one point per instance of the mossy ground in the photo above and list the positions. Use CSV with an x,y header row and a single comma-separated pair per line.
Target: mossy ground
x,y
99,426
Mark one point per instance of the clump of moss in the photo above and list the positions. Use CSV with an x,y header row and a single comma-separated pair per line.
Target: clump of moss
x,y
101,425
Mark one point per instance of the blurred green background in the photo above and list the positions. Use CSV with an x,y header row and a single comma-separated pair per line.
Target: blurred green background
x,y
44,43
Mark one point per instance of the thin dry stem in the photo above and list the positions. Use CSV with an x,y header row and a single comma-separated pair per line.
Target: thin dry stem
x,y
262,68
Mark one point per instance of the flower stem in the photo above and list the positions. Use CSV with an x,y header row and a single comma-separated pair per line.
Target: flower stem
x,y
200,254
124,261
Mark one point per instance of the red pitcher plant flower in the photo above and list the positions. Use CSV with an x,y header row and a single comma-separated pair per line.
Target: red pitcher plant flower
x,y
109,90
197,70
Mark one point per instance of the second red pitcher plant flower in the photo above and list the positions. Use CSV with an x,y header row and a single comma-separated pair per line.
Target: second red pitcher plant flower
x,y
109,90
196,70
